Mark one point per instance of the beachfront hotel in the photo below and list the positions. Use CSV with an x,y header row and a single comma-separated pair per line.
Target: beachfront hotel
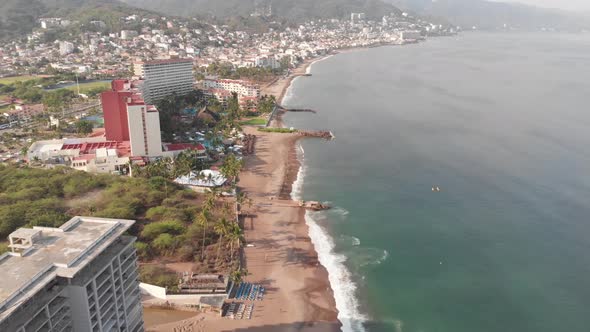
x,y
162,78
79,277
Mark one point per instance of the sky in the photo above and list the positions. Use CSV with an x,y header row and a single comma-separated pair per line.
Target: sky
x,y
575,5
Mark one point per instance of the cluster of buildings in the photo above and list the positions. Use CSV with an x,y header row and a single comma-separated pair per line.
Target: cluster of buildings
x,y
248,93
97,53
131,124
21,112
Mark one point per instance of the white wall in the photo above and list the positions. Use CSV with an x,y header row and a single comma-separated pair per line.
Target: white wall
x,y
136,130
155,291
150,121
154,136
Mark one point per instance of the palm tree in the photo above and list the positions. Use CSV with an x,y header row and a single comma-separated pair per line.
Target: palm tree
x,y
241,197
222,228
203,219
210,200
235,234
238,275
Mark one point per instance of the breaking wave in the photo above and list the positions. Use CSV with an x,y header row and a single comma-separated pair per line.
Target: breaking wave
x,y
339,276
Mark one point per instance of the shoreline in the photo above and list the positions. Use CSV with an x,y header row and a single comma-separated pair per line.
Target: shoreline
x,y
283,258
281,255
281,86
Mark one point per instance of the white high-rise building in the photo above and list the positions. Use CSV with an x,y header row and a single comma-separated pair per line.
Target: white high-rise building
x,y
144,129
79,277
165,77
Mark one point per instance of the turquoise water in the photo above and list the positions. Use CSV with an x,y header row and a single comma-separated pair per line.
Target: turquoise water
x,y
500,123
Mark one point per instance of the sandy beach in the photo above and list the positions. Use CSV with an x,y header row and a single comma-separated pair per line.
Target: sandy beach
x,y
282,259
299,297
279,87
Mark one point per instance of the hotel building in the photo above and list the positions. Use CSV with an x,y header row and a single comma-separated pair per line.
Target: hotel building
x,y
79,277
165,77
127,117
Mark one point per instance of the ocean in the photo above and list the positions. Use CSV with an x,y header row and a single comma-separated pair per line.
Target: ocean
x,y
499,122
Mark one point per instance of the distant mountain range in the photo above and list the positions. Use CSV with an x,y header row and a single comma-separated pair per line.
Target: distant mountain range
x,y
493,15
294,10
18,17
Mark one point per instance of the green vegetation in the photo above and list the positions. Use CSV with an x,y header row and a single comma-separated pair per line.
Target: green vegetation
x,y
231,167
4,248
293,11
267,104
84,127
11,80
19,17
278,130
157,275
55,100
92,88
257,74
172,222
170,109
254,122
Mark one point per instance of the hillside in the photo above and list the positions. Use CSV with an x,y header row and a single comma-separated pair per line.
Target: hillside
x,y
19,17
293,10
493,15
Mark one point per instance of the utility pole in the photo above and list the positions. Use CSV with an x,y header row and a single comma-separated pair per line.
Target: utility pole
x,y
77,84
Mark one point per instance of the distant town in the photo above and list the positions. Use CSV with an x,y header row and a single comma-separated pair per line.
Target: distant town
x,y
35,69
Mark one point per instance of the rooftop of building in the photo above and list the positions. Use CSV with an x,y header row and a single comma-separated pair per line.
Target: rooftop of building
x,y
41,254
163,61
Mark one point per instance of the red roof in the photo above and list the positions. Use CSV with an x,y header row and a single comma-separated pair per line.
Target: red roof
x,y
91,147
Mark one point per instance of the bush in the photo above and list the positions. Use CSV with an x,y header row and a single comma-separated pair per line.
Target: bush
x,y
156,213
278,130
4,248
116,213
159,276
154,230
143,250
164,244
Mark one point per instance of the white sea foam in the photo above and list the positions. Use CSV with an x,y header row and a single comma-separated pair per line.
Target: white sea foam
x,y
297,187
341,212
356,241
370,256
340,278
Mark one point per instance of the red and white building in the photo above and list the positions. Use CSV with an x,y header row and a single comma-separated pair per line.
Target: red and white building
x,y
248,93
241,87
128,118
131,136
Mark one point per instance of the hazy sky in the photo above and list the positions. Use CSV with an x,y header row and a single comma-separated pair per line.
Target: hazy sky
x,y
562,4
